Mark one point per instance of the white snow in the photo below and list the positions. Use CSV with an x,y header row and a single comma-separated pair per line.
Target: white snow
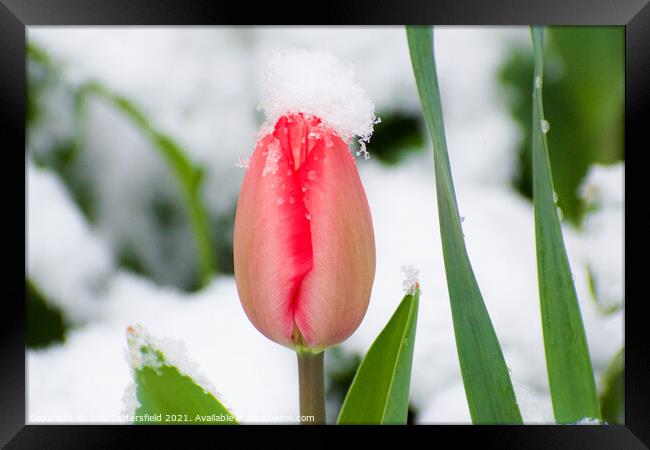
x,y
242,162
603,186
272,157
411,279
315,82
87,377
588,421
209,106
602,240
130,401
66,259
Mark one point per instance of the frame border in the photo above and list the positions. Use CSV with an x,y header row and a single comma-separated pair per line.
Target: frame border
x,y
15,15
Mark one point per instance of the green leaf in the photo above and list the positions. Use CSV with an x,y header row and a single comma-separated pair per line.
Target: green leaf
x,y
164,393
45,323
379,393
583,101
612,398
188,175
570,375
488,388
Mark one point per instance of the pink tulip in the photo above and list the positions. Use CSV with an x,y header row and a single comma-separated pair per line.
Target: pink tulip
x,y
303,241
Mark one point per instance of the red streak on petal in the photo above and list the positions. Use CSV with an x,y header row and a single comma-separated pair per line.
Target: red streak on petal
x,y
289,295
299,135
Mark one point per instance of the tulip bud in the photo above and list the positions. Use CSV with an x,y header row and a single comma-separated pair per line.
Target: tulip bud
x,y
304,246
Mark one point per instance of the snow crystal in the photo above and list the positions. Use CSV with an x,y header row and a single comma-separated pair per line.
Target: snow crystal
x,y
316,82
272,157
140,345
411,281
363,150
242,162
130,400
588,421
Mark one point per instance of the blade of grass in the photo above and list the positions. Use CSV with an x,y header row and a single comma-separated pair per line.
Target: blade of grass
x,y
379,393
488,388
570,375
188,175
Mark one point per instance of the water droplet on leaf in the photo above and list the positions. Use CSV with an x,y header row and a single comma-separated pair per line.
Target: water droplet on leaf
x,y
545,126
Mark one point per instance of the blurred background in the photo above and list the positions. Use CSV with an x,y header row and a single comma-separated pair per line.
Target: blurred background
x,y
134,135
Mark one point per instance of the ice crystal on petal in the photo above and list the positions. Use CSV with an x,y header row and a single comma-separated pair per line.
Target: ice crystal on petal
x,y
242,162
363,150
272,157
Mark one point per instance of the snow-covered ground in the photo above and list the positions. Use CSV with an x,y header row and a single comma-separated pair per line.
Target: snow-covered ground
x,y
209,104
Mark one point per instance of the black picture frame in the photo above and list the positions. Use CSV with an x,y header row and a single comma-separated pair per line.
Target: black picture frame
x,y
16,15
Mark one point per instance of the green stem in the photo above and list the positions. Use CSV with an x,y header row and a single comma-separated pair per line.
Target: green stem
x,y
311,383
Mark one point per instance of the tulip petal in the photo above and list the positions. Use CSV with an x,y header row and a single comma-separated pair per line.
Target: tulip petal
x,y
334,295
304,244
272,240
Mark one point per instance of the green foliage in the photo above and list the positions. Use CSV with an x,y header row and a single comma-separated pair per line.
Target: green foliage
x,y
340,368
43,81
379,393
188,175
583,104
166,395
395,137
63,157
488,388
612,398
571,379
45,324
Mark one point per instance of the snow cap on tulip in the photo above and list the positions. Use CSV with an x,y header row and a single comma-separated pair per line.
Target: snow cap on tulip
x,y
304,249
315,82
